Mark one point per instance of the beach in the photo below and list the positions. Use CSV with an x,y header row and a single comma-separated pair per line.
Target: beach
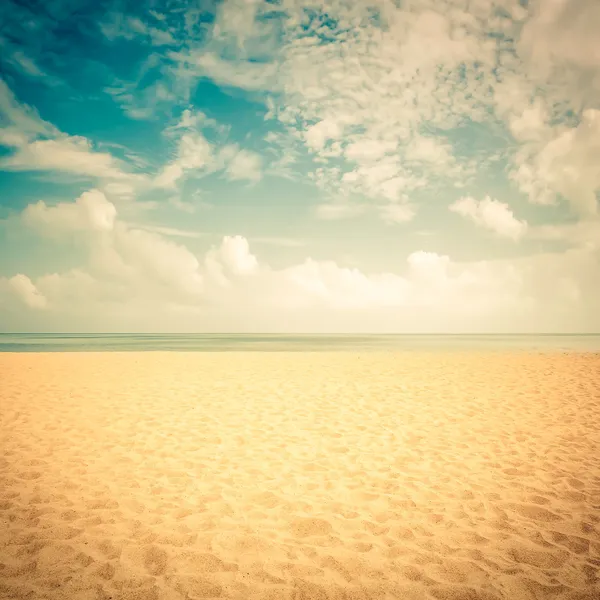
x,y
300,475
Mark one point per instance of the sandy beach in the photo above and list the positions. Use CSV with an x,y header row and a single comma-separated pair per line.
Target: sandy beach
x,y
299,476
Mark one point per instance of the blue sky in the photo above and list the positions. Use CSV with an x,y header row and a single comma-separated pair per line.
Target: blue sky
x,y
424,166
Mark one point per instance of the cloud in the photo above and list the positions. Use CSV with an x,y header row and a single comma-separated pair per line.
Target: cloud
x,y
27,292
39,146
159,261
579,234
91,211
563,34
132,257
397,213
27,64
135,266
567,164
239,49
244,166
325,284
492,215
373,93
194,152
234,253
129,28
251,77
382,106
168,231
20,120
68,154
332,211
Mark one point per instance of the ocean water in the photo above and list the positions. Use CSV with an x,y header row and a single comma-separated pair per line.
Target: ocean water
x,y
198,342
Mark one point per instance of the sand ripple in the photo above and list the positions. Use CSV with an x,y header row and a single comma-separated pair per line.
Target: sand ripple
x,y
278,476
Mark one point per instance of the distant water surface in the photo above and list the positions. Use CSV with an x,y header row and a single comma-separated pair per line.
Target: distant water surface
x,y
111,342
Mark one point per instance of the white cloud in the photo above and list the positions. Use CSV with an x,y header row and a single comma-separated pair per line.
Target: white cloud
x,y
196,154
17,117
244,166
160,261
39,146
567,165
131,27
367,90
326,284
582,234
168,231
120,190
252,76
491,214
193,120
388,100
366,95
137,258
142,274
68,154
563,34
27,292
27,64
531,124
317,135
397,213
234,253
91,211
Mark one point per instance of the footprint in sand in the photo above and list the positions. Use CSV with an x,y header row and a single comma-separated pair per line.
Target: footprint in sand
x,y
538,558
192,586
198,562
537,513
304,527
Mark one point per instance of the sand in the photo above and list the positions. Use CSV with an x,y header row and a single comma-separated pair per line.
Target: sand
x,y
299,476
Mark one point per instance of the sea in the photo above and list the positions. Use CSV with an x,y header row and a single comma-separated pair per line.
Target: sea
x,y
225,342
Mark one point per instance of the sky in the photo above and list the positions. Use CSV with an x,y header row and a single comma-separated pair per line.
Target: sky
x,y
382,166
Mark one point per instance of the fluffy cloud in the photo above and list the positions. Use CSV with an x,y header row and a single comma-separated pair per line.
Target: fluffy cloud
x,y
382,106
244,166
332,211
150,257
68,154
367,89
91,211
196,154
235,255
491,214
563,34
39,146
127,259
136,272
19,119
567,164
26,291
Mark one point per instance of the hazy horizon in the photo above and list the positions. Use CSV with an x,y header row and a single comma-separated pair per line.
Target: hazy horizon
x,y
296,342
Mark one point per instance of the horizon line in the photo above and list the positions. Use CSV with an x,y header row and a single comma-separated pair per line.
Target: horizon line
x,y
291,333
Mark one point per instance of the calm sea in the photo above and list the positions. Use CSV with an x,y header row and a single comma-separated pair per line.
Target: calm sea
x,y
110,342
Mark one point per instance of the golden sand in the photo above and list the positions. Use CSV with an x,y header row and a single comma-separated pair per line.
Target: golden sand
x,y
299,476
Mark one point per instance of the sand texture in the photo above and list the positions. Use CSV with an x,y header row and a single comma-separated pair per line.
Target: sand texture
x,y
304,476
